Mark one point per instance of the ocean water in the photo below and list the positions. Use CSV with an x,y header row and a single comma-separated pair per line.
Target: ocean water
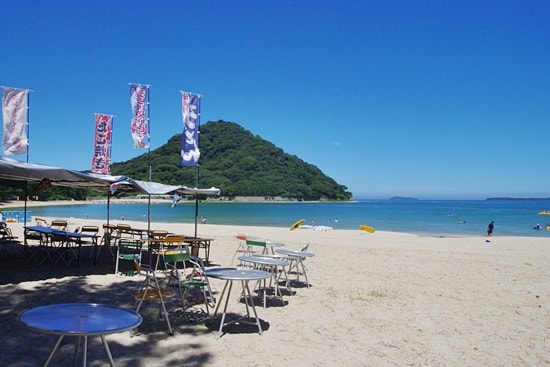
x,y
424,217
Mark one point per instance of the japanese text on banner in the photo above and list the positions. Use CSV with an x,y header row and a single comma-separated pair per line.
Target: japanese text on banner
x,y
190,110
102,144
139,124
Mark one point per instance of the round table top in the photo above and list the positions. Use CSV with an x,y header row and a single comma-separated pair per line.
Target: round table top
x,y
264,260
80,319
295,253
274,244
275,256
236,274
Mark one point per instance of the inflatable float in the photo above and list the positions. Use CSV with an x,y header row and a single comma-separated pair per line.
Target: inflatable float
x,y
366,228
297,224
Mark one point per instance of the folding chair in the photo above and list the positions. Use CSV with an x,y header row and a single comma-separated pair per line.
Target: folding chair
x,y
241,245
128,250
151,290
93,231
59,224
259,244
155,244
124,231
9,241
39,252
63,248
41,222
109,237
188,273
171,242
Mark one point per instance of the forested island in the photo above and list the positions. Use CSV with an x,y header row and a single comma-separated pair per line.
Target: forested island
x,y
238,162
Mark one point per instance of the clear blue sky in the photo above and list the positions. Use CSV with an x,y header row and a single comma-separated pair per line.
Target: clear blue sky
x,y
430,99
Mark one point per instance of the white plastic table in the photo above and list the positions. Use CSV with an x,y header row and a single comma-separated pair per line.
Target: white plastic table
x,y
270,264
244,276
298,258
272,246
82,320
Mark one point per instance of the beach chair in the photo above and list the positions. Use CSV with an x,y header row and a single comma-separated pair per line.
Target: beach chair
x,y
241,246
150,290
253,246
124,231
109,237
187,272
59,224
91,241
170,242
41,222
154,244
8,241
128,251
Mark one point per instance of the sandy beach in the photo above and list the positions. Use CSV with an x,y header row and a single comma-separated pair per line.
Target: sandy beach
x,y
381,299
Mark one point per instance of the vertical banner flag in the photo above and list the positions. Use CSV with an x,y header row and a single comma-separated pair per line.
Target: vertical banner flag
x,y
14,112
101,160
139,123
190,110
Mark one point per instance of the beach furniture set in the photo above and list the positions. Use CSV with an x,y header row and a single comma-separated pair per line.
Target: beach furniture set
x,y
56,244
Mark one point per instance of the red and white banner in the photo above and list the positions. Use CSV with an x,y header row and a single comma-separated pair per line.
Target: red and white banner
x,y
101,160
14,112
140,121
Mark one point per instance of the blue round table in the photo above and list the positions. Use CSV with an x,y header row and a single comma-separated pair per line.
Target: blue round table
x,y
82,320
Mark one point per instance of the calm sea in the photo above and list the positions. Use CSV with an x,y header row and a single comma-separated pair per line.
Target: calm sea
x,y
425,217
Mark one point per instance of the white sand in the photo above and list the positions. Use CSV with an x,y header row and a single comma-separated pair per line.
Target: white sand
x,y
382,299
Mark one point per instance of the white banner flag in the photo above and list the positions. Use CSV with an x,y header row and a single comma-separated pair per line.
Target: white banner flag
x,y
14,112
139,125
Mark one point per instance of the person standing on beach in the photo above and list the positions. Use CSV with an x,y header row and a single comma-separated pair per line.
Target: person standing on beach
x,y
490,228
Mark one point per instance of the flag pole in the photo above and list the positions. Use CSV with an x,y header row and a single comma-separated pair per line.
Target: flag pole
x,y
149,156
28,146
197,169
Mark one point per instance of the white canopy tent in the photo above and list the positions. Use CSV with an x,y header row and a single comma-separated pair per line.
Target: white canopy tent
x,y
15,173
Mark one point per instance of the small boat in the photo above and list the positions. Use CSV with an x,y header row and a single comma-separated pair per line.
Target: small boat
x,y
544,212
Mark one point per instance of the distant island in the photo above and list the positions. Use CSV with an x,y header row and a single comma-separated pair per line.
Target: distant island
x,y
505,198
402,198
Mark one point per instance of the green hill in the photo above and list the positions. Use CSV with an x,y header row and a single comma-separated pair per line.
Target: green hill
x,y
237,162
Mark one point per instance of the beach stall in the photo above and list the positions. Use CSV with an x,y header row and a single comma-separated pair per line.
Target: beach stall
x,y
19,174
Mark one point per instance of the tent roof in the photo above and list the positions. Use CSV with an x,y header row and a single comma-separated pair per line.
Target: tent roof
x,y
17,173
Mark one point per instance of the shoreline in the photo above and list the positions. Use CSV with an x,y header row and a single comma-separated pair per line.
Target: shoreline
x,y
18,205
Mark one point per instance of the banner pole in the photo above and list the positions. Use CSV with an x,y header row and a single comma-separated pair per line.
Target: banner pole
x,y
28,148
149,156
197,167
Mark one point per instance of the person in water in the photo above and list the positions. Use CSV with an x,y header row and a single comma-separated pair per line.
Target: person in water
x,y
490,228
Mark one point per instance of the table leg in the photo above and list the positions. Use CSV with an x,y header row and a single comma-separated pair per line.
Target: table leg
x,y
304,270
94,250
107,350
230,283
76,350
84,350
245,284
53,350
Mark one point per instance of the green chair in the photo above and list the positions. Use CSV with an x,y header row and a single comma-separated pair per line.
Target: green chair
x,y
255,245
187,272
127,250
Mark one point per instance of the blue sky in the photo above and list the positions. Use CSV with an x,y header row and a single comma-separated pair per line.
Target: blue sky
x,y
430,99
